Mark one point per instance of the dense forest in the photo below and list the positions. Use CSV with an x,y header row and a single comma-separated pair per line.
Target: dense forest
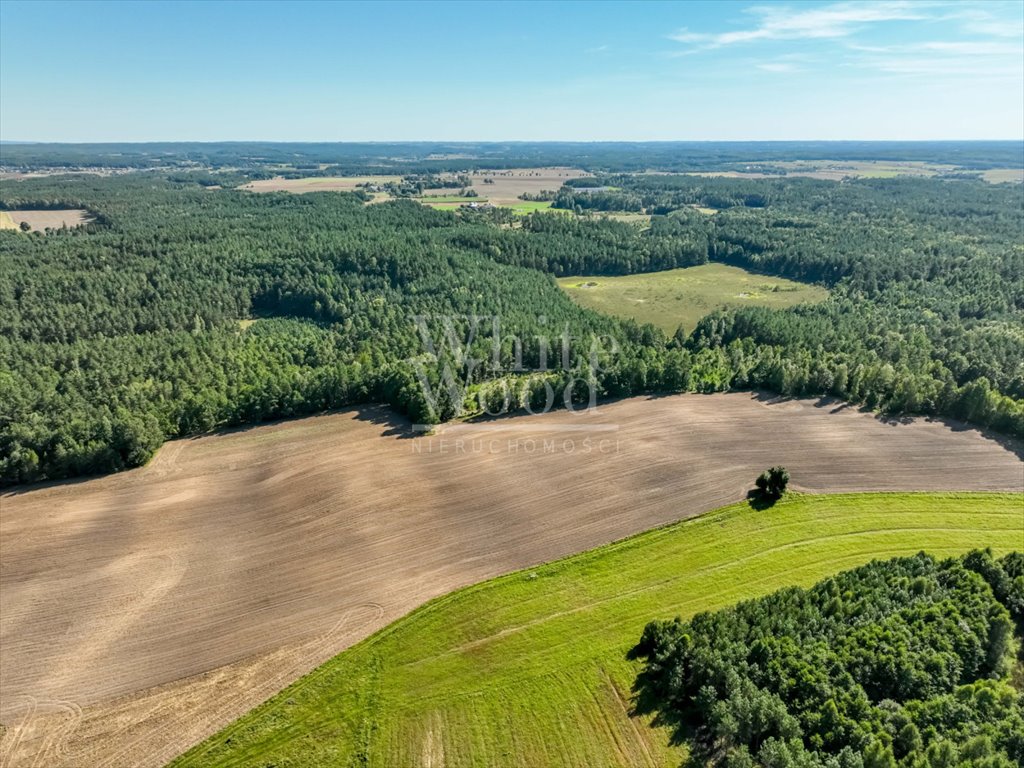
x,y
905,662
426,157
927,279
183,307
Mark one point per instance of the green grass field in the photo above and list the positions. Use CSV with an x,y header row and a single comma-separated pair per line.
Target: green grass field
x,y
683,296
523,207
529,669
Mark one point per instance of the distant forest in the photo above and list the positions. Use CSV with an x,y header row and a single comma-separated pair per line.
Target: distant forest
x,y
138,326
409,157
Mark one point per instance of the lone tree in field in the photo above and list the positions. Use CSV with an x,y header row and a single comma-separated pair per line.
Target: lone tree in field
x,y
772,482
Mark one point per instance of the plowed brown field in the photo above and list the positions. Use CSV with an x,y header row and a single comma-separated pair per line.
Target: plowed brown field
x,y
143,611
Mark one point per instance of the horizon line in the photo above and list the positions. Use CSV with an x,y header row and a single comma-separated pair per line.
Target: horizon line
x,y
37,142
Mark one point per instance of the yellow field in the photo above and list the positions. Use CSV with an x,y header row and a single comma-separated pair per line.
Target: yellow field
x,y
39,221
316,184
1003,175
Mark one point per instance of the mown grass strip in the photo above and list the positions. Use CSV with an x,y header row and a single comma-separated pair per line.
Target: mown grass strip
x,y
530,669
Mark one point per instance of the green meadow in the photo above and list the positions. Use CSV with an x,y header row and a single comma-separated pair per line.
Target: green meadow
x,y
530,669
523,207
683,296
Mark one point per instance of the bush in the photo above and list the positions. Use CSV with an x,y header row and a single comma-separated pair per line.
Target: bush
x,y
772,482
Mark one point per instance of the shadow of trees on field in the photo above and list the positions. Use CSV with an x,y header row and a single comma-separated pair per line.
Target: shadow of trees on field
x,y
18,490
391,422
760,501
835,405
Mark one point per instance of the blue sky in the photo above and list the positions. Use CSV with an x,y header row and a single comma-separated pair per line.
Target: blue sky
x,y
122,71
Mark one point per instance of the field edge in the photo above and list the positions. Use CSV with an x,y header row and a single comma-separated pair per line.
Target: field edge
x,y
721,514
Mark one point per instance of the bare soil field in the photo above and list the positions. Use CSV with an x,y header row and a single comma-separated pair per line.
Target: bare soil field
x,y
141,612
837,170
41,220
316,183
505,187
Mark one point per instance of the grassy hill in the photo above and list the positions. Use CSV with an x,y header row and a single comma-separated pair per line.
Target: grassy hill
x,y
529,669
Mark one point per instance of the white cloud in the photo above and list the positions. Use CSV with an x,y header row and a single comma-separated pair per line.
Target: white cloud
x,y
996,28
787,23
973,48
958,67
777,66
684,35
979,21
985,49
965,58
947,47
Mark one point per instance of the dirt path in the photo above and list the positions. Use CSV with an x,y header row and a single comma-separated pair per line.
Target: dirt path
x,y
141,612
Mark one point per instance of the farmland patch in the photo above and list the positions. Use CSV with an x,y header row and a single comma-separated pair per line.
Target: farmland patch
x,y
505,664
316,183
234,563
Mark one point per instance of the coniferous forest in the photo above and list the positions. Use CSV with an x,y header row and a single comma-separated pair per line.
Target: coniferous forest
x,y
184,306
904,662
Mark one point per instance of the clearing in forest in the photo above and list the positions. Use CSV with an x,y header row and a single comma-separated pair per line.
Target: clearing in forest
x,y
1003,175
526,207
448,202
39,221
316,183
683,296
531,669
